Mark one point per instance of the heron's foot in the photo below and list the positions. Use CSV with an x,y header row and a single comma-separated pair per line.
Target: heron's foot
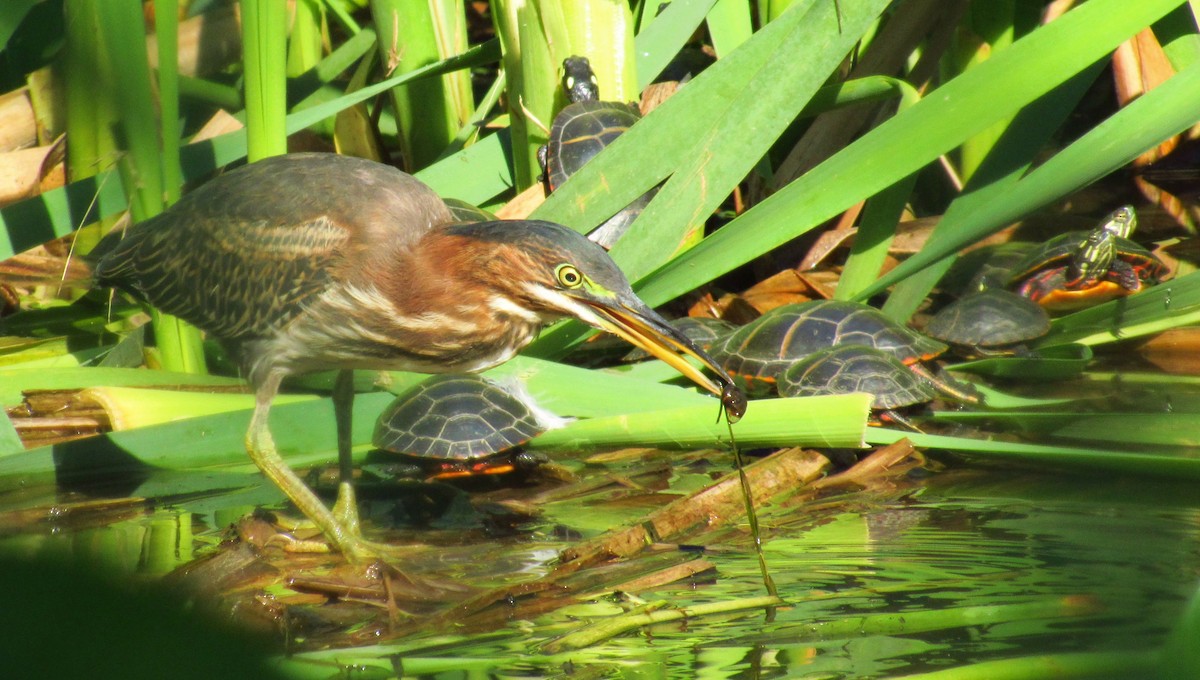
x,y
345,509
389,564
303,535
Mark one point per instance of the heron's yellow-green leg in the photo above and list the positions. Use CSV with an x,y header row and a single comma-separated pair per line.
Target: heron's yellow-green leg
x,y
346,507
261,447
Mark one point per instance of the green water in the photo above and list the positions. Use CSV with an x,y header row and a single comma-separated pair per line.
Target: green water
x,y
930,573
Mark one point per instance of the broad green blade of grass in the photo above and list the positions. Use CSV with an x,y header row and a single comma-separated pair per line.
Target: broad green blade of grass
x,y
661,38
1180,656
477,174
1141,378
728,25
17,350
346,56
1080,460
264,70
1129,663
1051,363
1167,432
1008,160
1141,125
1177,34
14,380
705,137
10,441
52,353
11,15
837,421
579,392
304,431
304,434
993,91
876,229
218,95
136,407
304,42
995,398
470,131
987,28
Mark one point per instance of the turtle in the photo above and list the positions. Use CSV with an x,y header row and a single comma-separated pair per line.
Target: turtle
x,y
986,267
460,424
990,322
1079,269
580,131
758,352
843,369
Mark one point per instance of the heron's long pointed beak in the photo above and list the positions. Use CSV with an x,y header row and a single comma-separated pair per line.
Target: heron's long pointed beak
x,y
644,328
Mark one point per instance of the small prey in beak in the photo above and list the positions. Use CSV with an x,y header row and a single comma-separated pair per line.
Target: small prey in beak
x,y
642,327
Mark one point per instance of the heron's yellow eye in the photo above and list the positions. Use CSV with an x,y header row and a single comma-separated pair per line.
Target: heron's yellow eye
x,y
569,276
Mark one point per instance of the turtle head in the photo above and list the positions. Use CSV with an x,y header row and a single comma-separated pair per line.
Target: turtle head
x,y
579,80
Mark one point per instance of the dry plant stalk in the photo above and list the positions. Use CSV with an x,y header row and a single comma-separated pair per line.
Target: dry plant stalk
x,y
707,508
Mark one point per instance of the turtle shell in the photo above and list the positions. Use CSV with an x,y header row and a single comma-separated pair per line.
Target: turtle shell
x,y
455,417
989,320
986,267
582,130
759,351
856,368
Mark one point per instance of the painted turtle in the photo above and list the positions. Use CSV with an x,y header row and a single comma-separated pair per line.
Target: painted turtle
x,y
759,351
581,131
858,368
1083,268
458,425
988,267
990,322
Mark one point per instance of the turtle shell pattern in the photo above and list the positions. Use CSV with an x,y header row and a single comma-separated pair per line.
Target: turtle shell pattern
x,y
856,368
455,417
989,319
582,130
1044,270
762,349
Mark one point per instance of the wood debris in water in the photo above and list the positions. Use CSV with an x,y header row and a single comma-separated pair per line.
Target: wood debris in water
x,y
710,507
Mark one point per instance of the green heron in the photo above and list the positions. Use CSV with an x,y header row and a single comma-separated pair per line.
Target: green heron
x,y
311,262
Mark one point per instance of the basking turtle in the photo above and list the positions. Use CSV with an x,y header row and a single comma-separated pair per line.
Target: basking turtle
x,y
987,267
459,424
581,131
1083,268
761,350
858,368
990,322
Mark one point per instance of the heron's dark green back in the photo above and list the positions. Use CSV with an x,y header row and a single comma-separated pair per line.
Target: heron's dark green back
x,y
245,253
